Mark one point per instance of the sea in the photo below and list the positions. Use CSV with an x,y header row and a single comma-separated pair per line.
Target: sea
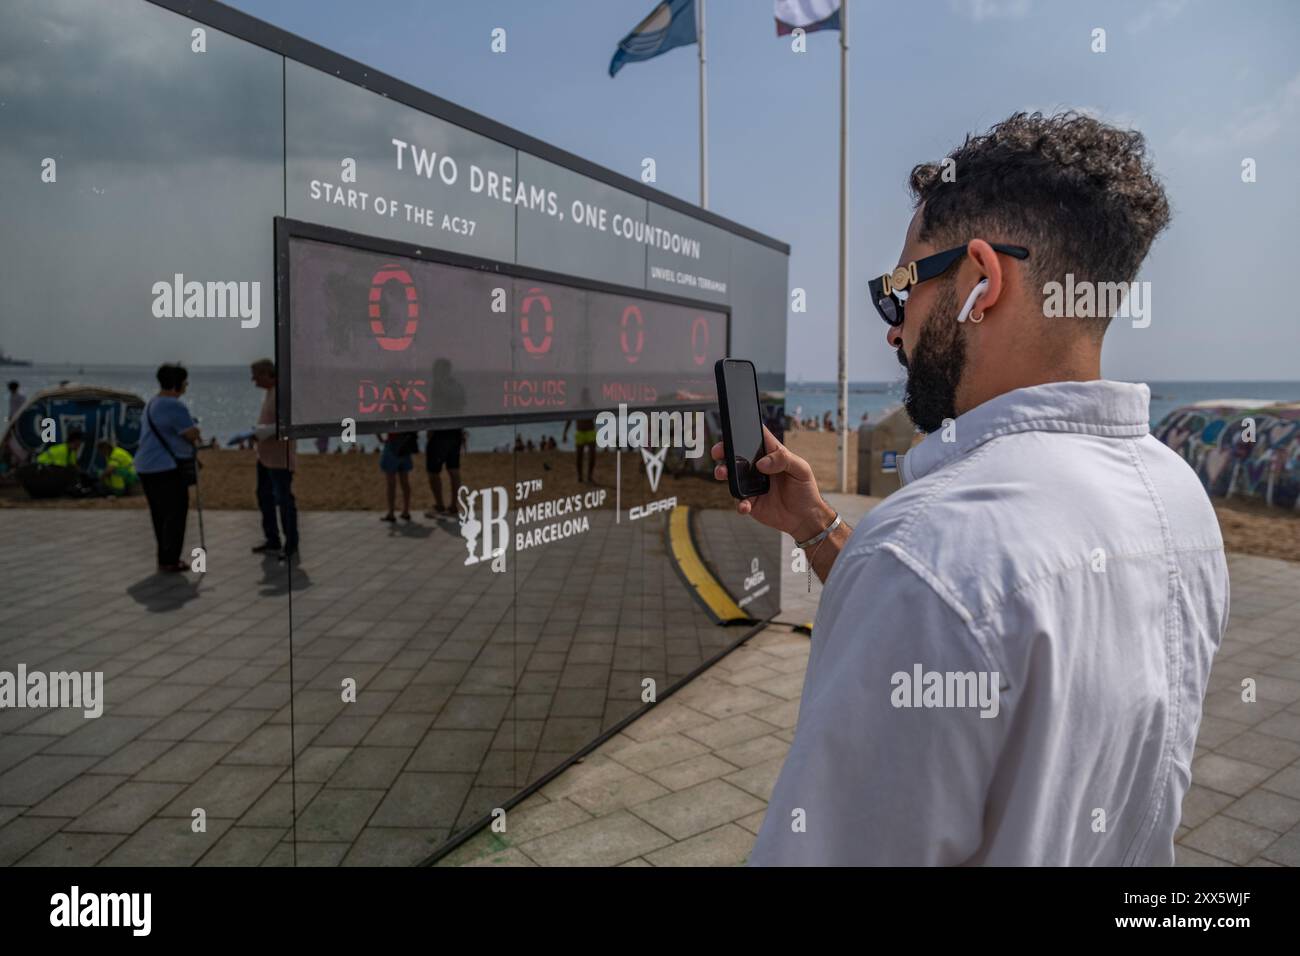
x,y
225,402
815,399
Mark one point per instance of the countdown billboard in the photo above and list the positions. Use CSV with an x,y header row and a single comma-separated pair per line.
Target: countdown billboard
x,y
397,337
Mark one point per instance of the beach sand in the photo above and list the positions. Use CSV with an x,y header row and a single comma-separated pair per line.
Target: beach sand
x,y
353,482
820,450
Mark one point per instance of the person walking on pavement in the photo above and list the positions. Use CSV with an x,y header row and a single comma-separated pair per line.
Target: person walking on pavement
x,y
276,461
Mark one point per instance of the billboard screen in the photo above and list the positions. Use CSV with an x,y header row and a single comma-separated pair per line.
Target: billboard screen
x,y
395,340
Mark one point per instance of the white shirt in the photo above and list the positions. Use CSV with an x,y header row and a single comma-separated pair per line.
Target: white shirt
x,y
1056,543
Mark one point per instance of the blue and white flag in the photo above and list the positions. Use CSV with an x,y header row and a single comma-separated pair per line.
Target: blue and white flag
x,y
806,15
670,24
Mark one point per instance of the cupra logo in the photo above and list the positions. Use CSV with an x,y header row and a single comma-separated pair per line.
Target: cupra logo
x,y
391,272
654,465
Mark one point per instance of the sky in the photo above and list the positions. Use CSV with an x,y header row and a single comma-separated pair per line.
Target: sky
x,y
1209,84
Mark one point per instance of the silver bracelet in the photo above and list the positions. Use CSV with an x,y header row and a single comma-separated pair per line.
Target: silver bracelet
x,y
818,538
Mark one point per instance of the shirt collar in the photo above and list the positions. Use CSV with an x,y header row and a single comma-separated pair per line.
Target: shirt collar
x,y
1109,409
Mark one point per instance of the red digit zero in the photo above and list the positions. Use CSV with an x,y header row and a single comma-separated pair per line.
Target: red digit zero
x,y
391,272
630,352
537,350
700,340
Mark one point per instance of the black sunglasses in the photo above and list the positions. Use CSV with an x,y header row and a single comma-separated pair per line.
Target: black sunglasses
x,y
885,289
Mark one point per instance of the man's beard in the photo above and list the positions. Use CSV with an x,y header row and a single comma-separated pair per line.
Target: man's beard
x,y
935,367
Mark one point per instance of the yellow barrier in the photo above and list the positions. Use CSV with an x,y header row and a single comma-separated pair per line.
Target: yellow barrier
x,y
691,567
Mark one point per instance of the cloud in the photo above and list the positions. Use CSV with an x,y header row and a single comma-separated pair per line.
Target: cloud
x,y
1152,13
978,10
1253,126
117,81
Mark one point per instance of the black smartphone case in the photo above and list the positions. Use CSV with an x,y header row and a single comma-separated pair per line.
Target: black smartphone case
x,y
728,449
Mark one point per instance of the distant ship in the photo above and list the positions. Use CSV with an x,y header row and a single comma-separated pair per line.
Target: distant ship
x,y
7,359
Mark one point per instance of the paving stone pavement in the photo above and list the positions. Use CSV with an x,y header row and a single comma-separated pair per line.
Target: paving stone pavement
x,y
688,784
199,707
470,684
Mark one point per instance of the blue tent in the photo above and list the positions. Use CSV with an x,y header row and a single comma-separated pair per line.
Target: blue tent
x,y
100,413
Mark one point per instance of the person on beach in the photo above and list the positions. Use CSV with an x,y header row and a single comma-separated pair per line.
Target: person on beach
x,y
16,400
443,448
444,445
118,476
395,463
165,463
276,461
584,445
584,440
63,464
64,454
1011,652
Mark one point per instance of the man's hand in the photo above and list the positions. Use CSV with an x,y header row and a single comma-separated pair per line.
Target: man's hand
x,y
793,504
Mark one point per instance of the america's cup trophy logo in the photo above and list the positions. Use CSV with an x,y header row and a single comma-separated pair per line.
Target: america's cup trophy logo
x,y
469,525
493,505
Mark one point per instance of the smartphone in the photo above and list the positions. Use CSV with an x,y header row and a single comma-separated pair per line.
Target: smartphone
x,y
742,426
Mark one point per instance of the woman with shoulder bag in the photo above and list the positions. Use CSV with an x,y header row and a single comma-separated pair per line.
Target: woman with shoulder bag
x,y
167,466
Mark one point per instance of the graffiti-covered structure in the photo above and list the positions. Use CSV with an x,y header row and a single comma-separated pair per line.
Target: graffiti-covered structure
x,y
1240,448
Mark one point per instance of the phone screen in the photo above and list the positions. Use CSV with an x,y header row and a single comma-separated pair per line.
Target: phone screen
x,y
744,427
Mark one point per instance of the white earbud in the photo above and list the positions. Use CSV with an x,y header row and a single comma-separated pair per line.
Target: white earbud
x,y
975,293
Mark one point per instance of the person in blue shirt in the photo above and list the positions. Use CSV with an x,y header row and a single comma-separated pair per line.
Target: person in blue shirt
x,y
167,439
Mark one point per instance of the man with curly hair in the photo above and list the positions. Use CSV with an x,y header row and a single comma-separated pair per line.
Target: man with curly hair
x,y
1011,652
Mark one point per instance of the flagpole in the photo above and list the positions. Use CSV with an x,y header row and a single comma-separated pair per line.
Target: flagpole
x,y
704,120
843,380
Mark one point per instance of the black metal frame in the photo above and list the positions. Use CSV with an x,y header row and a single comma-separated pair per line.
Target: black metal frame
x,y
260,33
287,229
